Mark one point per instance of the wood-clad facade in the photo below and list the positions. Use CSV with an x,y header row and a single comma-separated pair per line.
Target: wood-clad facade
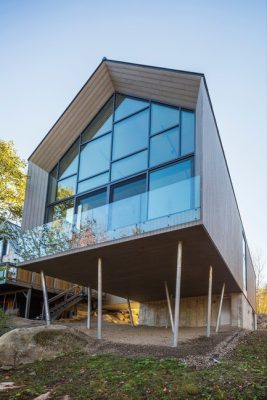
x,y
137,266
33,279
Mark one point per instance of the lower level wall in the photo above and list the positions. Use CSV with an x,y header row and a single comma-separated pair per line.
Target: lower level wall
x,y
236,311
242,314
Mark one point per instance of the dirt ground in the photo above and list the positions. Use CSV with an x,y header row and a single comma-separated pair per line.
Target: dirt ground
x,y
194,347
122,339
141,335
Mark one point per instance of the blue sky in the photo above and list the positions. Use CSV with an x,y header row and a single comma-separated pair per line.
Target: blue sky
x,y
50,48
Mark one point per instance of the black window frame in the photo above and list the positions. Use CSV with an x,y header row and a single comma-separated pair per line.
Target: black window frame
x,y
111,182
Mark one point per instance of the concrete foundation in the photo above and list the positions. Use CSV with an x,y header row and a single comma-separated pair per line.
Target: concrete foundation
x,y
236,311
242,313
193,312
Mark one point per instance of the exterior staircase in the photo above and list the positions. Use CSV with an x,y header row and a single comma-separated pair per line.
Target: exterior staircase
x,y
64,301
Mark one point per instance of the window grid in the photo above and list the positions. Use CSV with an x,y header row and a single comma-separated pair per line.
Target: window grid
x,y
111,183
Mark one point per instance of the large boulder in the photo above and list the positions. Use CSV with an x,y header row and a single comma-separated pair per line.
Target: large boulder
x,y
25,345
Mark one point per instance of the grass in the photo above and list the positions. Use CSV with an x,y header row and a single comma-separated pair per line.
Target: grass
x,y
241,376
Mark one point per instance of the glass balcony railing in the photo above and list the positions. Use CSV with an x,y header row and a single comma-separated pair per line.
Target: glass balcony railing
x,y
7,273
164,207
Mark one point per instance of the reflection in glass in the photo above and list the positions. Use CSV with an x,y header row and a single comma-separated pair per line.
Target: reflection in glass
x,y
129,165
171,190
69,163
91,214
66,187
130,135
163,117
129,203
164,147
95,157
187,132
92,183
52,186
61,211
126,106
101,124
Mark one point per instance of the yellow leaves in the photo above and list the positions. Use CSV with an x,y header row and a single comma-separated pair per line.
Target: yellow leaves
x,y
261,296
12,181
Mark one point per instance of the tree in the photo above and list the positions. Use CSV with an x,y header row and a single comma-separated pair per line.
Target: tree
x,y
12,184
259,265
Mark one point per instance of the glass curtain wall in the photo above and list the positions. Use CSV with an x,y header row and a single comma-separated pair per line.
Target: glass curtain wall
x,y
132,145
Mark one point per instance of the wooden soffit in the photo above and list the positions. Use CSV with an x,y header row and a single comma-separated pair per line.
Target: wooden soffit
x,y
178,88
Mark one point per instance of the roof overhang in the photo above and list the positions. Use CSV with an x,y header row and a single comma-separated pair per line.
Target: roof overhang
x,y
174,87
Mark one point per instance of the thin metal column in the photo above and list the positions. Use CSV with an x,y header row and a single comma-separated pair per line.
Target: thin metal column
x,y
209,303
28,303
130,311
220,309
89,296
15,300
169,304
99,305
177,294
46,306
255,321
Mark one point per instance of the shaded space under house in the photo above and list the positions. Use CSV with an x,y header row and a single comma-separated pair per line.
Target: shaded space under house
x,y
129,193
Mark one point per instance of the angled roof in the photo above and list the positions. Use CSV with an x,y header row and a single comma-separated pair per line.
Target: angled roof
x,y
174,87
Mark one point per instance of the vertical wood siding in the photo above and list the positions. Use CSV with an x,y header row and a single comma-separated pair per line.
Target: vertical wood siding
x,y
35,197
220,212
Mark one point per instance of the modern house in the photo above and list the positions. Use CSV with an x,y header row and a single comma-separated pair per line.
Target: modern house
x,y
130,193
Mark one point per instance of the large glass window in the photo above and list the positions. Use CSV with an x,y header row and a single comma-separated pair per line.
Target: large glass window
x,y
52,186
187,132
129,165
130,135
125,106
69,163
101,124
171,190
95,157
66,188
128,203
61,211
90,210
164,147
94,182
163,117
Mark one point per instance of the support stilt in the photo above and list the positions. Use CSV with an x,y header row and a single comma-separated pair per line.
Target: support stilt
x,y
14,301
209,303
130,311
89,295
177,294
99,305
28,303
169,305
220,309
46,306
